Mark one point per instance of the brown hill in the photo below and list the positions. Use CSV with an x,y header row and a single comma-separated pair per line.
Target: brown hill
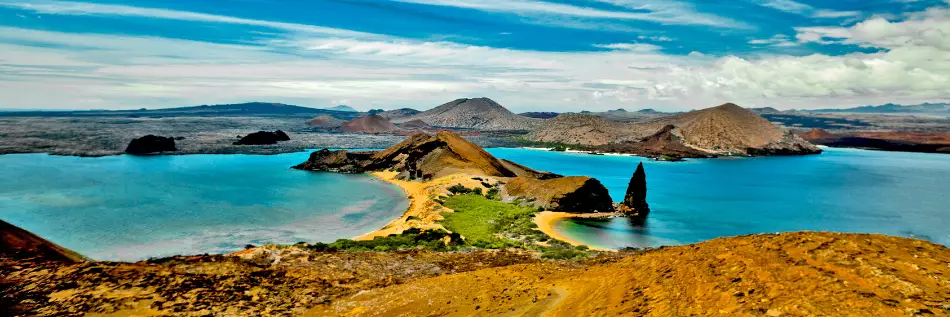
x,y
368,124
727,130
585,129
816,134
398,113
19,244
416,125
477,113
325,122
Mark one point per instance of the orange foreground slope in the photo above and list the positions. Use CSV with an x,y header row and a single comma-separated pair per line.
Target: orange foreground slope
x,y
792,274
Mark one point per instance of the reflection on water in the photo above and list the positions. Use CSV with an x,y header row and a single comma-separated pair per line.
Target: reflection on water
x,y
841,190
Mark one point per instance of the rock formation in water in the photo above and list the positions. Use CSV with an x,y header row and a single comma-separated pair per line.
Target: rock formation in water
x,y
263,137
19,244
151,144
425,157
635,201
341,161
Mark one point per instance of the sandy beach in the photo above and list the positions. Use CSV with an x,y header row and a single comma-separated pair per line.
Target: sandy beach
x,y
419,208
423,211
423,214
545,221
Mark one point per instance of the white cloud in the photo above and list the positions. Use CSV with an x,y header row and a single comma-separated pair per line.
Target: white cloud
x,y
778,40
930,28
806,10
81,70
634,47
660,11
83,8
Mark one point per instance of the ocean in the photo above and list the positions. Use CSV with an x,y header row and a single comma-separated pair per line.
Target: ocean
x,y
844,190
131,208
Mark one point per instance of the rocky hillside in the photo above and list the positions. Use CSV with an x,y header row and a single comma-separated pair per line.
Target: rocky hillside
x,y
789,274
723,130
16,243
368,124
477,113
816,134
398,113
324,122
584,129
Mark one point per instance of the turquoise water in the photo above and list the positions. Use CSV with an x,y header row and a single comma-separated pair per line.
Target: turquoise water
x,y
132,208
846,190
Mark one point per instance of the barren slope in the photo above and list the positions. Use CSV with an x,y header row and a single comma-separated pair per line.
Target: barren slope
x,y
725,129
790,274
369,124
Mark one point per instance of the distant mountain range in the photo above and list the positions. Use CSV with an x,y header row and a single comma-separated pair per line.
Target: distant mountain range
x,y
343,108
924,108
723,130
241,109
475,113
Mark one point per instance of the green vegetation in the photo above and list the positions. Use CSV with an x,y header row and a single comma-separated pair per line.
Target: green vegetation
x,y
409,239
491,224
484,223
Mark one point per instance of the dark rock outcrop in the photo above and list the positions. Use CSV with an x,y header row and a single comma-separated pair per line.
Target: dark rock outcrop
x,y
263,137
635,201
578,194
151,144
341,161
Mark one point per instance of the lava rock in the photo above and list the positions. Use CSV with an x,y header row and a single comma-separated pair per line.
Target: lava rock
x,y
263,137
151,144
635,201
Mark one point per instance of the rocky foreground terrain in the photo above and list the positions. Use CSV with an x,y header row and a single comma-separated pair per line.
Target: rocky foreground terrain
x,y
790,274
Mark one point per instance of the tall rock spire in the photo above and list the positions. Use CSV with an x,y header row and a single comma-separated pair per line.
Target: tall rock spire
x,y
635,201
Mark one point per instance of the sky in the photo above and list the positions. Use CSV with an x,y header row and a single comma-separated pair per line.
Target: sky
x,y
528,55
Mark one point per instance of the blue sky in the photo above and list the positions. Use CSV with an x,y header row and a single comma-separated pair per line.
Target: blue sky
x,y
529,55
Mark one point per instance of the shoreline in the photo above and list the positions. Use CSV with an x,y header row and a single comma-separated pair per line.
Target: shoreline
x,y
416,193
546,220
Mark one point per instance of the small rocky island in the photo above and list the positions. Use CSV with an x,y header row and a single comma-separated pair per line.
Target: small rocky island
x,y
151,144
263,138
425,157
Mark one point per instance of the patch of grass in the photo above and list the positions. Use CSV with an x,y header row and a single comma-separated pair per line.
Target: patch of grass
x,y
409,239
490,224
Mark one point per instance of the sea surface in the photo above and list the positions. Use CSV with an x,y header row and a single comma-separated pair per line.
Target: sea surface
x,y
846,190
131,208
